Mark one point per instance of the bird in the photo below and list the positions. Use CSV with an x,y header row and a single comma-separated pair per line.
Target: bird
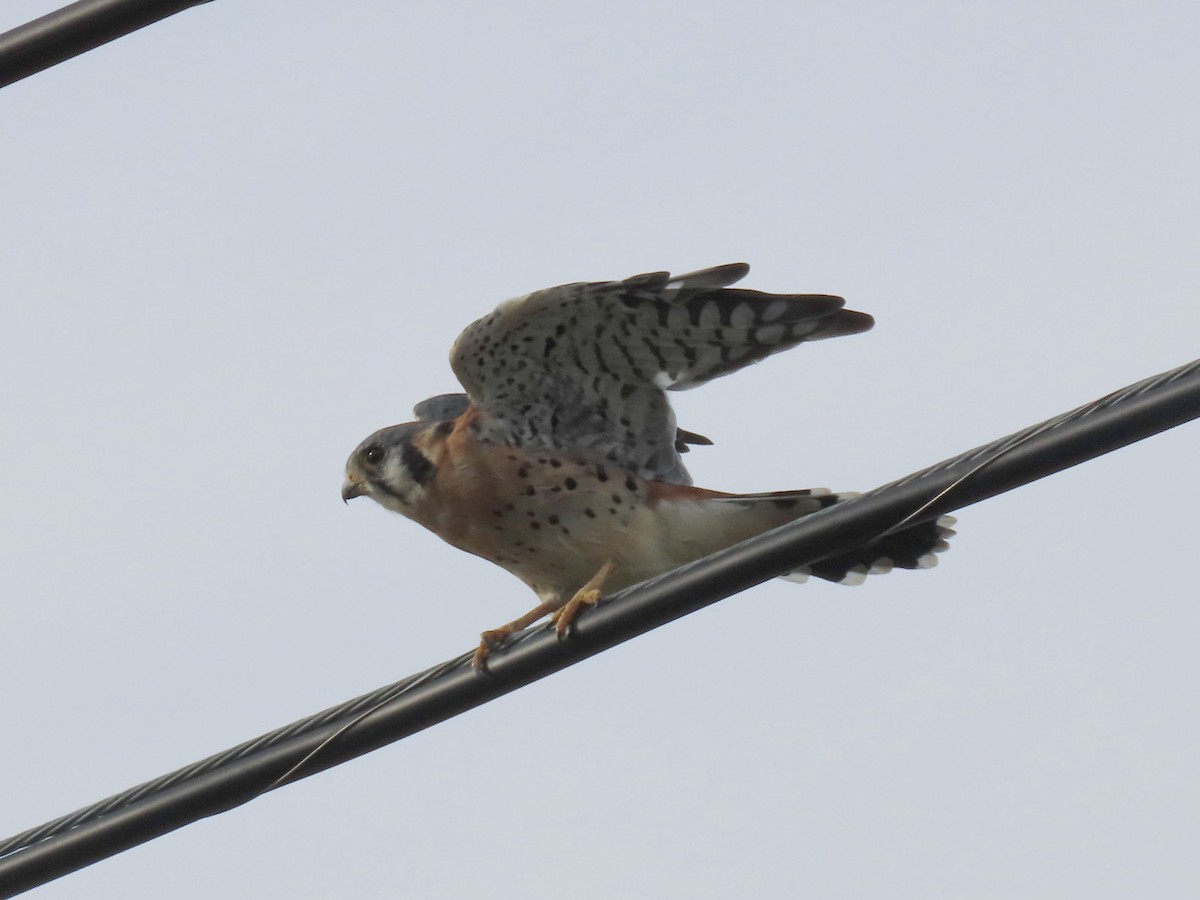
x,y
562,460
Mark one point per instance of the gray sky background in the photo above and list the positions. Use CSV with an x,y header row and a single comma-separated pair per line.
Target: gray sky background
x,y
235,243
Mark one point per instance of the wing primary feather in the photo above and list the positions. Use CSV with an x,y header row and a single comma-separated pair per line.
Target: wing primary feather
x,y
712,278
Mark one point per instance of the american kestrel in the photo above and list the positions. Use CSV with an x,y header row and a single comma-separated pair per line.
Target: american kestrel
x,y
561,462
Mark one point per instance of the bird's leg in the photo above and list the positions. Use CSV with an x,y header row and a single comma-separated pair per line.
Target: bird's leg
x,y
490,640
562,615
588,595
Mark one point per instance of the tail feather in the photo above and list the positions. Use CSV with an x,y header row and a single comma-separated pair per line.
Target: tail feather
x,y
912,548
699,522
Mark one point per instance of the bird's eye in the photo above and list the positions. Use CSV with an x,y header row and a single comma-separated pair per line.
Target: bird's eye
x,y
373,455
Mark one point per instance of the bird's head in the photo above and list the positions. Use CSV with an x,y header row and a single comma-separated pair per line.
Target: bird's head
x,y
391,468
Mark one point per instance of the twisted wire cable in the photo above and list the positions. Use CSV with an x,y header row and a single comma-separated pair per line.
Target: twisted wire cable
x,y
75,29
338,713
373,720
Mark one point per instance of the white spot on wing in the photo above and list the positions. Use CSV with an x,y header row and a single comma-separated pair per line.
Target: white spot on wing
x,y
769,334
742,316
774,310
707,359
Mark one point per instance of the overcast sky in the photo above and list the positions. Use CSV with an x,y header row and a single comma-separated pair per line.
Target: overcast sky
x,y
236,242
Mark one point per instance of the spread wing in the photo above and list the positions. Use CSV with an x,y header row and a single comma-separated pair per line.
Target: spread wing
x,y
585,367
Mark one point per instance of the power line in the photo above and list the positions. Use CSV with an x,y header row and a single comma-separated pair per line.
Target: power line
x,y
396,711
76,29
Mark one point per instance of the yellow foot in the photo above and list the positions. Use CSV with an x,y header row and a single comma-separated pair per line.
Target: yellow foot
x,y
565,617
588,595
488,641
561,616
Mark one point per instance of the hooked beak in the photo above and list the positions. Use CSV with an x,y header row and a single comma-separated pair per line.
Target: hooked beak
x,y
352,488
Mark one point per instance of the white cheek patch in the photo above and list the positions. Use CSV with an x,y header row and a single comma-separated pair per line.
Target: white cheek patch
x,y
395,489
388,499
